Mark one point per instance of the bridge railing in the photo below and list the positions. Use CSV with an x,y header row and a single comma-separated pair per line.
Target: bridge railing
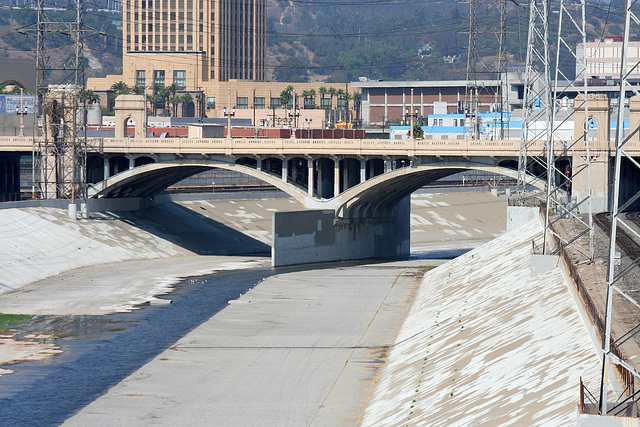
x,y
293,146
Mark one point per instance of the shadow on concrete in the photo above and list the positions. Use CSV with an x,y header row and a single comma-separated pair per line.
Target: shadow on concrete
x,y
192,231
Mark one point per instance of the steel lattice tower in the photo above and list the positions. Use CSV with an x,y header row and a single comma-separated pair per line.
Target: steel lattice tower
x,y
536,108
484,31
617,269
59,153
571,14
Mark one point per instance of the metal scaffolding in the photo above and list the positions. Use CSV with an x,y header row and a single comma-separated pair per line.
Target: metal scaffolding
x,y
59,153
484,31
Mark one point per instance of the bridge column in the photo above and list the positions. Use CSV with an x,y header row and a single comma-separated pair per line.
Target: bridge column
x,y
363,170
285,166
310,177
258,163
599,112
106,168
336,176
132,162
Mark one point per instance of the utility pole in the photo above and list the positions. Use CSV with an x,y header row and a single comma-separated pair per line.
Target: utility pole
x,y
60,153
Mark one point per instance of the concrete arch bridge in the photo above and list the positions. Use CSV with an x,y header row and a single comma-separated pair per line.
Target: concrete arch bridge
x,y
358,206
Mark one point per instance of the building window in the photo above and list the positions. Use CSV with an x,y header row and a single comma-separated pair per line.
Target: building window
x,y
242,103
325,103
275,103
180,78
440,122
140,78
158,77
258,103
211,102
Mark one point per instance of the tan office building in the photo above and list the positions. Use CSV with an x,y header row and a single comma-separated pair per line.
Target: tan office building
x,y
215,48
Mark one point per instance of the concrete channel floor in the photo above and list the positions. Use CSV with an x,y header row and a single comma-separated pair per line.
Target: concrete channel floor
x,y
299,349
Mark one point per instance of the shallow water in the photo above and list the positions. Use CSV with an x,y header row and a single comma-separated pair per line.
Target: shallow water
x,y
100,351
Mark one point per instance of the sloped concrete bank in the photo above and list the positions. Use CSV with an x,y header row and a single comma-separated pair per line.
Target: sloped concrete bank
x,y
486,343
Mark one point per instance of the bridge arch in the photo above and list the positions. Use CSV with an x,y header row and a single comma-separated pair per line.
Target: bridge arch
x,y
372,198
150,179
377,196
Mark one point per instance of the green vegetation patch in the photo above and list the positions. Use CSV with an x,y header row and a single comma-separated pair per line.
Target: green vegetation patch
x,y
425,268
8,320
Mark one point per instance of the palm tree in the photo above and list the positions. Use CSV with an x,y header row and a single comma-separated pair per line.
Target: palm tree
x,y
332,91
175,100
357,102
170,92
309,99
88,96
323,92
286,96
153,100
184,100
120,88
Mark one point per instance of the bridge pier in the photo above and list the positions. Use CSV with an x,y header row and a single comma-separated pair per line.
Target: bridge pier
x,y
310,176
305,237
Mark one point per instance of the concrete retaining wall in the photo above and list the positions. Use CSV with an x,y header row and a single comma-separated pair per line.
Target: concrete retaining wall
x,y
304,237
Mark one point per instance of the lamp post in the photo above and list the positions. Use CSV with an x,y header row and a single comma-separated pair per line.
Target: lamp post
x,y
255,125
411,116
21,111
228,116
308,120
293,116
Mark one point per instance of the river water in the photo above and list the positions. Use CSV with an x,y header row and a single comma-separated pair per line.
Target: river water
x,y
100,351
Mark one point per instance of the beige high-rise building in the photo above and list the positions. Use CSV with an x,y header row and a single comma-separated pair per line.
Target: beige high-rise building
x,y
194,40
210,48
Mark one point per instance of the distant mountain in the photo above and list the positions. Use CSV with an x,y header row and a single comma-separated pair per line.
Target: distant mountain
x,y
342,40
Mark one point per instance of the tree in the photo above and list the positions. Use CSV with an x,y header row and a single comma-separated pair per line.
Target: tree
x,y
3,85
184,100
88,96
309,99
286,96
332,91
15,90
120,88
417,131
153,100
323,91
175,100
357,103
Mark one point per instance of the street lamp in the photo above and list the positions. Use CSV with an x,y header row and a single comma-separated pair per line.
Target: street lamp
x,y
411,116
21,111
228,116
293,117
308,120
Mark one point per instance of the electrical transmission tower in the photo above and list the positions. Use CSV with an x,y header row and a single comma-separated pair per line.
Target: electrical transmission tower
x,y
536,108
620,288
562,197
547,152
485,31
59,153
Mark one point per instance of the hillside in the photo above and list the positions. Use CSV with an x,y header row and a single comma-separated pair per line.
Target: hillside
x,y
342,40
